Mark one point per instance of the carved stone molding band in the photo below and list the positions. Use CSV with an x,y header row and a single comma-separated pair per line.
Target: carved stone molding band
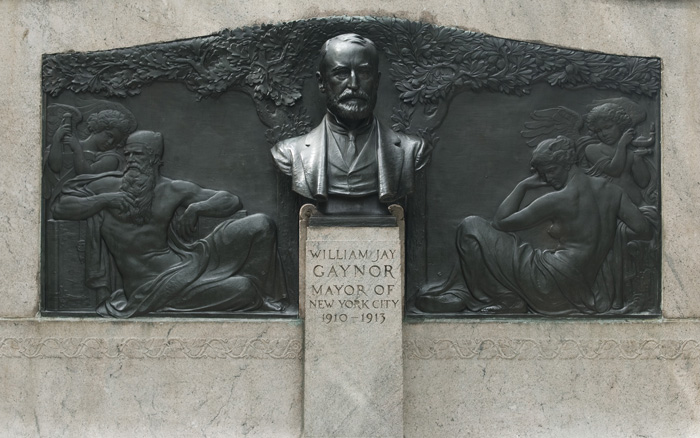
x,y
564,349
150,348
420,349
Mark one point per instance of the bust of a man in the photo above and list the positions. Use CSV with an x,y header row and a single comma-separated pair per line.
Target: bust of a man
x,y
351,163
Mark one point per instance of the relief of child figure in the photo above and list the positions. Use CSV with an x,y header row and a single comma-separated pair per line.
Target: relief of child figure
x,y
620,155
95,151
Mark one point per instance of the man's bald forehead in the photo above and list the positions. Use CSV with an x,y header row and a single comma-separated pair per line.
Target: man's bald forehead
x,y
349,38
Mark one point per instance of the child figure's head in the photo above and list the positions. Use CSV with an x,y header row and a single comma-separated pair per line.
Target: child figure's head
x,y
608,122
109,129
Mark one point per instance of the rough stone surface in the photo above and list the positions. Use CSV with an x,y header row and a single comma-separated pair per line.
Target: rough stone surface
x,y
150,378
575,393
552,379
353,375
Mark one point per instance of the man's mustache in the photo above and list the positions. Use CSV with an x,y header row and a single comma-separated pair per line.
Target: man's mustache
x,y
351,95
134,165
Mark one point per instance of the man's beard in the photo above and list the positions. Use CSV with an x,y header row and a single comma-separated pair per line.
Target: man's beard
x,y
139,181
345,108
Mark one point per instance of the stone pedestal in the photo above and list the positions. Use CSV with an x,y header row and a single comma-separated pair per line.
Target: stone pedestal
x,y
352,301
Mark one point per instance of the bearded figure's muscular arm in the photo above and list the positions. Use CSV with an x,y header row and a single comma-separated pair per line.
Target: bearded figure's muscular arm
x,y
88,200
203,202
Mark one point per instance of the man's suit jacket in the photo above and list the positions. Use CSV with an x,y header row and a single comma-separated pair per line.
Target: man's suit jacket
x,y
399,156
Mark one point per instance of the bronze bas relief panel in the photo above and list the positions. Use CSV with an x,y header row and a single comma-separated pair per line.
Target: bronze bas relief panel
x,y
535,171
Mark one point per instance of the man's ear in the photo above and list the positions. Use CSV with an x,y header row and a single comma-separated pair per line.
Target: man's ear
x,y
321,82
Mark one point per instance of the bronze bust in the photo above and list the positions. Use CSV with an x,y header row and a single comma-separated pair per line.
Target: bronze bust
x,y
351,163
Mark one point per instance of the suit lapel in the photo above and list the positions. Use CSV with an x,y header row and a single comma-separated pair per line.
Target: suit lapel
x,y
390,157
313,158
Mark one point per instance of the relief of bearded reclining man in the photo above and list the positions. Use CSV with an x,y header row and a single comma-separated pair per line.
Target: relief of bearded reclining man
x,y
132,220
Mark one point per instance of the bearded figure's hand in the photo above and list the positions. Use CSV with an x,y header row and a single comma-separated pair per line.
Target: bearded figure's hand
x,y
187,224
119,202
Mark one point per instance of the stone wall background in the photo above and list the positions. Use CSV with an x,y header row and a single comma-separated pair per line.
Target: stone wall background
x,y
222,378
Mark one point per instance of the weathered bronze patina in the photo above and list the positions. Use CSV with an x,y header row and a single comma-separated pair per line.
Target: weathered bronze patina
x,y
541,196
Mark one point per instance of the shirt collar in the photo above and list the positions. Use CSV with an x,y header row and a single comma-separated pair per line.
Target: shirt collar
x,y
338,127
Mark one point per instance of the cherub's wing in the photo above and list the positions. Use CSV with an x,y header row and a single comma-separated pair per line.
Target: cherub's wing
x,y
89,107
581,144
551,122
55,114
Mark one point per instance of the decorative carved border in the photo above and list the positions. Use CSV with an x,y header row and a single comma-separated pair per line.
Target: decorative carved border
x,y
150,348
560,349
420,349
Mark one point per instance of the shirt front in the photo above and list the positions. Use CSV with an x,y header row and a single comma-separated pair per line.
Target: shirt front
x,y
352,158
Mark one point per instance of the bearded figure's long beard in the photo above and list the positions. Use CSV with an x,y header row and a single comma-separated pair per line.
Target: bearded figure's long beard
x,y
345,108
139,182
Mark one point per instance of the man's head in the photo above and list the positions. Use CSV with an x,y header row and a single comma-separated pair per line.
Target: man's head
x,y
348,74
144,148
143,152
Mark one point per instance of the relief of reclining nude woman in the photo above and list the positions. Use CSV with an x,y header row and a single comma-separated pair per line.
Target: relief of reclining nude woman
x,y
498,272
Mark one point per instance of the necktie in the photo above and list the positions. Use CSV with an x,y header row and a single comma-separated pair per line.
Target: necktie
x,y
352,147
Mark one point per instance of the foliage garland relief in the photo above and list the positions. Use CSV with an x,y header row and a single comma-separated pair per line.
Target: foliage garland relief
x,y
428,65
